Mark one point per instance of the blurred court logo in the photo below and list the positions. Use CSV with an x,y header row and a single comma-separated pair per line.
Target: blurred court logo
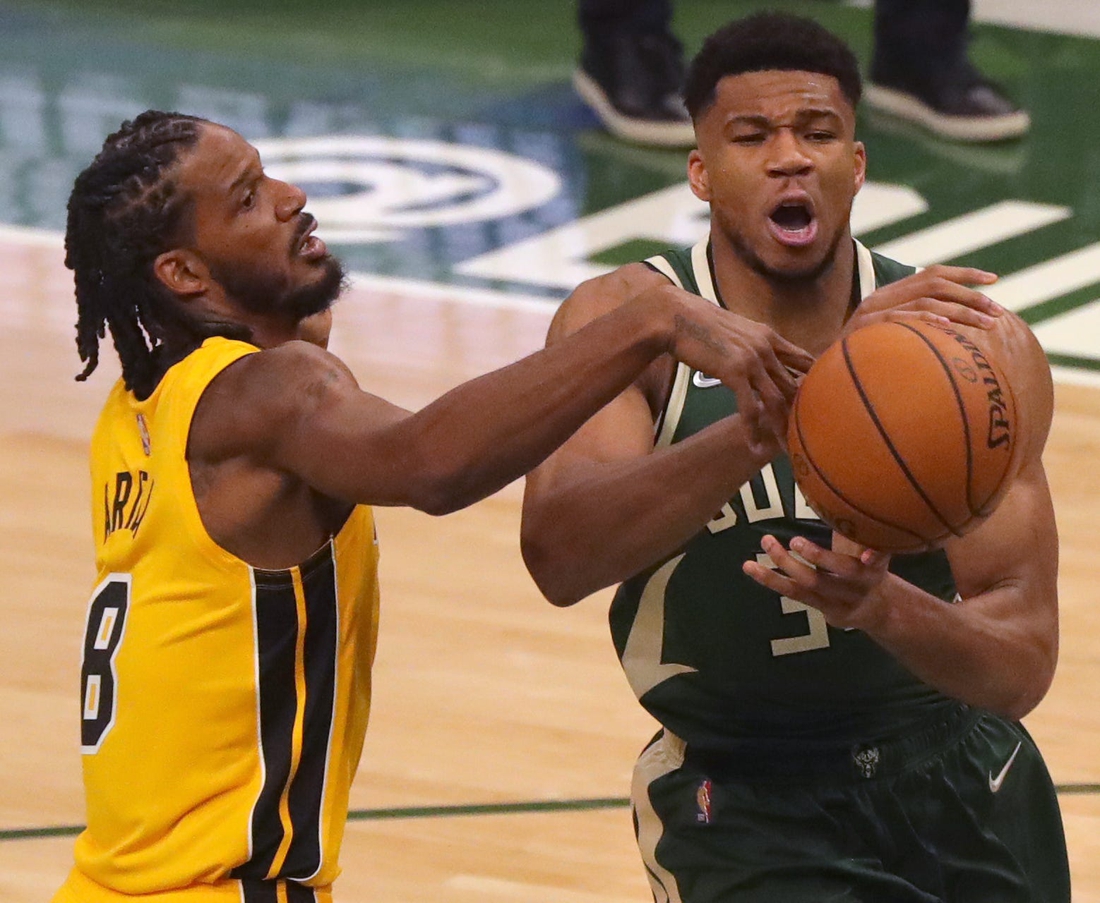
x,y
367,189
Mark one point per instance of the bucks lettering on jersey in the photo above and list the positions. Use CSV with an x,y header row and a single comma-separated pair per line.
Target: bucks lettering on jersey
x,y
716,657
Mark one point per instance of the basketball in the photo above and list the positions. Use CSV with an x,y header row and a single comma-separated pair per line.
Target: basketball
x,y
902,435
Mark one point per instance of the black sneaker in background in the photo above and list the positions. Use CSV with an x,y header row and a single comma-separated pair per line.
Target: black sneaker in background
x,y
632,81
957,103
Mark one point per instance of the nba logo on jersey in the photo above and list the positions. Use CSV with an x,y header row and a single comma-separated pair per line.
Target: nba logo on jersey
x,y
702,798
143,430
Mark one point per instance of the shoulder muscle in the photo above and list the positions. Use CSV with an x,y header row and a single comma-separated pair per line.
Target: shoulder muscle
x,y
248,405
600,296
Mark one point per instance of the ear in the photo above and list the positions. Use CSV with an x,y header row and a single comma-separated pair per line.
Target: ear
x,y
697,176
861,166
182,272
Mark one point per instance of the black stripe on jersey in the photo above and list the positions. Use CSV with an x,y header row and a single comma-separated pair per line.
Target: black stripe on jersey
x,y
260,891
276,613
320,649
297,893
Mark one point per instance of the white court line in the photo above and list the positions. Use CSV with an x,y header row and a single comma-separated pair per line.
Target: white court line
x,y
1075,376
1072,17
1050,279
971,231
23,235
445,291
1075,17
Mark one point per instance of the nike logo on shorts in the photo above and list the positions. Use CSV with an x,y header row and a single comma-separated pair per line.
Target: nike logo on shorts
x,y
703,381
996,782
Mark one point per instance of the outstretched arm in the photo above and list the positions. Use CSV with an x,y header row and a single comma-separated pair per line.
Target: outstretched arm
x,y
296,409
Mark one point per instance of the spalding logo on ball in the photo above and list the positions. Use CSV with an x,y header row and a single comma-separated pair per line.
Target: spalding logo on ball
x,y
902,435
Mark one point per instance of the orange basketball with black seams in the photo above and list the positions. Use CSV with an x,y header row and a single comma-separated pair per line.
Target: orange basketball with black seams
x,y
902,435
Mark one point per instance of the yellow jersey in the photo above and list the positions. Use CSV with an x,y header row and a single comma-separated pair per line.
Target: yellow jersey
x,y
223,706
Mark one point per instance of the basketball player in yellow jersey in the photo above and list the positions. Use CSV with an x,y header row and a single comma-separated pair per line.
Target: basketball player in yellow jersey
x,y
226,671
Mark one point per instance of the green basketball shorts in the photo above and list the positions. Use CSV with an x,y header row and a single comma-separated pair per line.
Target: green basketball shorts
x,y
962,811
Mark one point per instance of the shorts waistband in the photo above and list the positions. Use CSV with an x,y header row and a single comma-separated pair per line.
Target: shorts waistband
x,y
864,760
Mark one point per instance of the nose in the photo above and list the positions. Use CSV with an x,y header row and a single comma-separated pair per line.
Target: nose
x,y
291,201
789,157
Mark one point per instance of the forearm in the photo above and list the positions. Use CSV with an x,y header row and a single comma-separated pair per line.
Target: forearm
x,y
996,648
488,432
610,520
989,650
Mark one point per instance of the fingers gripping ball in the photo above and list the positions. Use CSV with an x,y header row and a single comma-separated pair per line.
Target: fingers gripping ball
x,y
902,435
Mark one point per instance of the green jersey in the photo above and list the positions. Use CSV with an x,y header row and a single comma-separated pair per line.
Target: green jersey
x,y
716,657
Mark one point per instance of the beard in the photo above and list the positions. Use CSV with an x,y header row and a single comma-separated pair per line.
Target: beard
x,y
262,293
791,277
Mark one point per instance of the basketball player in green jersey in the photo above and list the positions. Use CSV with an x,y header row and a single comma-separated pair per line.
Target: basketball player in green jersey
x,y
225,684
836,724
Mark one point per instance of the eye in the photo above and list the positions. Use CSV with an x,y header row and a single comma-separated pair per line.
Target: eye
x,y
820,135
249,199
749,138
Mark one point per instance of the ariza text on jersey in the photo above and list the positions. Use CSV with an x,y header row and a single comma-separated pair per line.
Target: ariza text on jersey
x,y
125,504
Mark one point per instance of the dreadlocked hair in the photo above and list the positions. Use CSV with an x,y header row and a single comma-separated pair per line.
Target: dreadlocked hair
x,y
125,210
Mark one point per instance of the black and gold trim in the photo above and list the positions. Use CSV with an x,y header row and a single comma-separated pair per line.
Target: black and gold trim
x,y
277,892
297,635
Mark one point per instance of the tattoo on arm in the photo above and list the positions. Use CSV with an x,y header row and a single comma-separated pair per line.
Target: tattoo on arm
x,y
700,333
316,387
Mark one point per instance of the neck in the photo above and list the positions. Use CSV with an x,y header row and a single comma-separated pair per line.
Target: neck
x,y
809,312
264,333
215,314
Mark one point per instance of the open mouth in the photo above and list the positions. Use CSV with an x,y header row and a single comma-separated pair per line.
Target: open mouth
x,y
309,245
793,223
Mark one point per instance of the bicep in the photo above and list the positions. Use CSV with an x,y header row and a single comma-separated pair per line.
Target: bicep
x,y
1012,557
348,445
623,428
298,410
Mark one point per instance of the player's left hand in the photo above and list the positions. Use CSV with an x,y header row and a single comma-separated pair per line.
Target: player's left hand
x,y
843,583
938,294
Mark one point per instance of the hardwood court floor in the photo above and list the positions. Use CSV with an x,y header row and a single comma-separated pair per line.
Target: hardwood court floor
x,y
484,694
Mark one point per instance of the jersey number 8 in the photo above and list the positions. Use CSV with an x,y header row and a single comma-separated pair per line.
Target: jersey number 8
x,y
102,637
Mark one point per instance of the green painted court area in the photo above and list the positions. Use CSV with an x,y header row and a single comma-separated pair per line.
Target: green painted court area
x,y
442,142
